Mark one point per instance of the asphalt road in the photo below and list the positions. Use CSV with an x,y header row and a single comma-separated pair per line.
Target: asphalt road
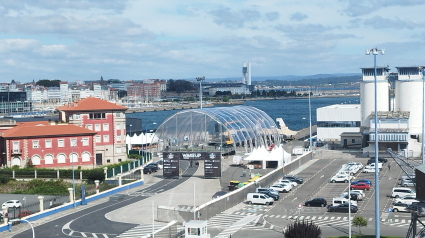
x,y
271,220
92,222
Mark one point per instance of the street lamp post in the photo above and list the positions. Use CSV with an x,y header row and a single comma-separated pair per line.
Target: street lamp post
x,y
349,206
73,181
32,228
375,51
129,148
200,79
423,109
309,107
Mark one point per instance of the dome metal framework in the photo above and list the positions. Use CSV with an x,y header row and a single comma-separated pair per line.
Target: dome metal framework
x,y
244,127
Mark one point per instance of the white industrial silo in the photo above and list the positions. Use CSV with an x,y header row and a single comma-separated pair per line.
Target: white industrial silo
x,y
408,96
367,92
246,73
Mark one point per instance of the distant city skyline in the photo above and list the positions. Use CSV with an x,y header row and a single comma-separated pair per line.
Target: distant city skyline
x,y
135,40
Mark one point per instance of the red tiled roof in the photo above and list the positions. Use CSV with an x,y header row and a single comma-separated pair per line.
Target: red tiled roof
x,y
91,104
42,130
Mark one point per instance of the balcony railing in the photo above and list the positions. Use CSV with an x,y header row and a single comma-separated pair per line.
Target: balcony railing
x,y
16,151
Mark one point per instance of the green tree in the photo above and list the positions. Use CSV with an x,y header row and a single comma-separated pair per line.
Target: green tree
x,y
49,83
225,99
302,229
359,221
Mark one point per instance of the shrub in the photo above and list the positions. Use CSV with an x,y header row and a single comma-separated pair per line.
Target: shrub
x,y
359,221
4,179
96,174
301,229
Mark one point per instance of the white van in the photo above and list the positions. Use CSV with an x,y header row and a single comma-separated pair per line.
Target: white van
x,y
402,192
259,198
339,200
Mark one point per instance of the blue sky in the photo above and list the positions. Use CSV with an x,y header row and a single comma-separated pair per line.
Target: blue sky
x,y
132,40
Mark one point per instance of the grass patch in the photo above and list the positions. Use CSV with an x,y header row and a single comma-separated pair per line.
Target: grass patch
x,y
364,236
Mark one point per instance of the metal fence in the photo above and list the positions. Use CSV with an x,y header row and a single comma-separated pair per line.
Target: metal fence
x,y
216,206
167,214
168,231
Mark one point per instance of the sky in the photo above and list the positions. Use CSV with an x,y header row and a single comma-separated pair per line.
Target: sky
x,y
133,40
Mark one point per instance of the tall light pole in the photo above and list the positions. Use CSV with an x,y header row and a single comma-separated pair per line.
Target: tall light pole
x,y
375,51
309,107
423,105
73,181
349,206
200,79
129,148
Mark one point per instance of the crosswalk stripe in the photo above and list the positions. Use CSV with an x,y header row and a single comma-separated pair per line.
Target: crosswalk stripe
x,y
302,217
370,219
289,217
94,235
396,220
338,218
326,218
271,227
266,215
70,233
277,216
105,235
84,235
271,216
403,221
307,218
344,218
283,216
332,218
313,218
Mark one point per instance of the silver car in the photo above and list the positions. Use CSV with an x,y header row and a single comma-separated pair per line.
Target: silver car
x,y
407,183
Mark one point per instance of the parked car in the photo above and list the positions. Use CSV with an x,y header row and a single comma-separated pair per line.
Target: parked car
x,y
402,192
218,194
270,193
339,200
400,207
294,184
406,200
25,213
360,186
148,169
340,178
155,164
358,197
266,189
316,202
11,203
367,169
294,179
372,165
408,183
259,198
342,208
366,181
280,187
380,160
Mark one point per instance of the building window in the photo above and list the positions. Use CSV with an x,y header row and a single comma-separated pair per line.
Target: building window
x,y
77,116
118,126
118,114
61,143
97,127
105,127
98,140
48,143
70,117
85,141
89,126
35,144
119,160
353,141
105,138
119,138
73,142
118,149
97,116
16,146
108,161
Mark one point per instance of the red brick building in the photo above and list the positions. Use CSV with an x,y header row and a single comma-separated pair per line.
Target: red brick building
x,y
47,144
145,91
104,118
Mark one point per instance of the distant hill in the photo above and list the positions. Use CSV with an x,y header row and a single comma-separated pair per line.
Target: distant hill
x,y
259,79
332,80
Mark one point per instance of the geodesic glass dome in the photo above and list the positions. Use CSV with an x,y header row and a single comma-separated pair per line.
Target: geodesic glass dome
x,y
241,127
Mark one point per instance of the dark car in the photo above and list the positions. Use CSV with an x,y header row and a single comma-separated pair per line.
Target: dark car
x,y
362,181
150,168
218,194
372,160
294,179
342,208
270,194
25,213
316,202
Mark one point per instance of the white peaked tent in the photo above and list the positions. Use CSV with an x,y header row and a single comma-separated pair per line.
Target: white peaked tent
x,y
142,139
276,154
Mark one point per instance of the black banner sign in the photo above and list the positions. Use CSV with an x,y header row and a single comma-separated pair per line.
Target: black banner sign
x,y
212,163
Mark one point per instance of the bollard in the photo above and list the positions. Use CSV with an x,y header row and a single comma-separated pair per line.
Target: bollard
x,y
71,195
119,180
105,170
141,177
35,173
57,173
121,169
13,173
40,199
96,182
81,176
4,218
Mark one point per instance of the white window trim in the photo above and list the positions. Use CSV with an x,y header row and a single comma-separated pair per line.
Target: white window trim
x,y
37,142
89,126
105,138
63,143
85,141
97,126
45,143
73,142
98,139
105,126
